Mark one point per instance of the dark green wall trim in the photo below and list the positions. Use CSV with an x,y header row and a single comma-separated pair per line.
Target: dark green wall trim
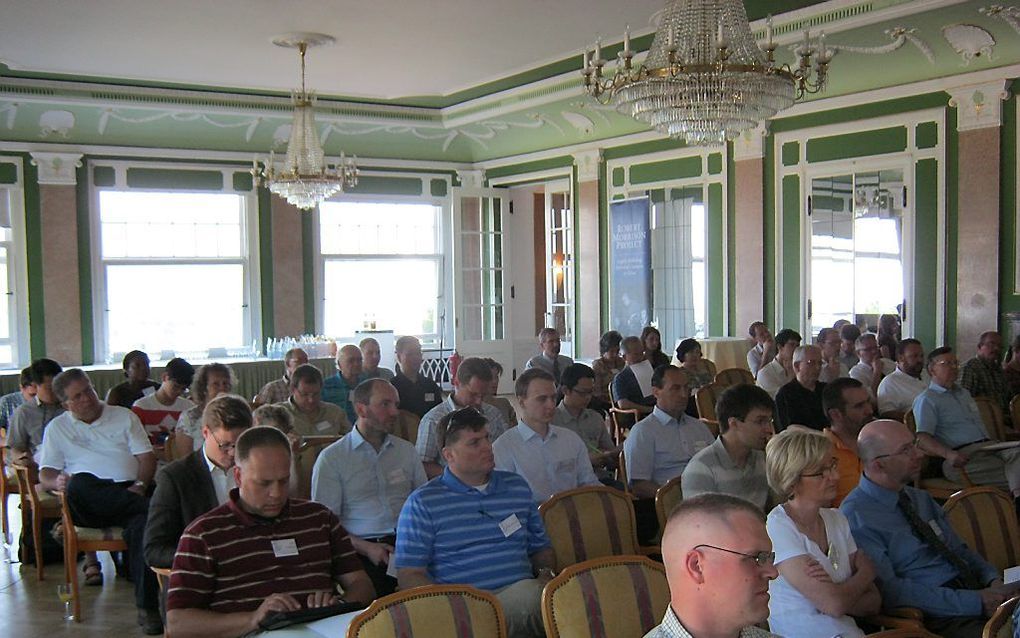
x,y
33,254
792,276
174,179
857,144
714,253
952,206
926,228
562,161
679,168
84,219
603,248
380,185
769,305
307,237
731,242
265,265
642,148
1008,300
579,301
938,99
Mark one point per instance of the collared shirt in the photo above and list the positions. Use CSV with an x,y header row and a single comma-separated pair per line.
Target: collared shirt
x,y
380,373
418,396
773,376
554,368
556,463
754,357
798,405
950,415
713,470
849,360
604,375
275,391
589,425
984,378
337,390
105,448
828,375
328,420
659,446
865,373
896,392
28,424
849,466
672,628
910,572
462,535
8,404
222,479
366,488
428,445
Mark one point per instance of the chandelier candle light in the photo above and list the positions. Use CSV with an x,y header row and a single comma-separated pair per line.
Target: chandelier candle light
x,y
305,179
706,79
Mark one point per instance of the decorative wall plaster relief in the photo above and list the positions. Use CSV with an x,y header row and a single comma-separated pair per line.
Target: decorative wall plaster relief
x,y
471,178
594,108
750,144
582,123
1009,15
10,111
978,106
177,116
281,136
969,41
56,123
57,168
587,163
900,36
479,132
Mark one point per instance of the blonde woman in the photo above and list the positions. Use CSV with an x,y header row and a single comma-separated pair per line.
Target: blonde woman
x,y
211,380
823,578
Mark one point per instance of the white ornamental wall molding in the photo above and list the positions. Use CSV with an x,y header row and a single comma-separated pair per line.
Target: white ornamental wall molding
x,y
969,41
899,36
57,168
1010,15
979,105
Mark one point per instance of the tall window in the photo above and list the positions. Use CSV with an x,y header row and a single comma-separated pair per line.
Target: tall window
x,y
678,264
13,297
559,256
175,273
381,268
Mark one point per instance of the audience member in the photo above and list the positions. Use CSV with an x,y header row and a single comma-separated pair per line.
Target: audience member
x,y
372,355
550,358
211,380
848,408
606,367
13,400
99,454
832,367
949,426
735,462
800,401
195,484
311,416
848,336
897,391
764,350
138,384
632,387
1011,371
920,560
818,589
260,552
418,393
550,458
888,335
471,384
651,339
29,421
338,388
279,390
279,416
983,376
872,367
492,396
577,383
780,370
700,371
476,525
719,562
365,477
160,410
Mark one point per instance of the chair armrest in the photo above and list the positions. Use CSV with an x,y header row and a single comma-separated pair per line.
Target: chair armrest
x,y
650,550
897,618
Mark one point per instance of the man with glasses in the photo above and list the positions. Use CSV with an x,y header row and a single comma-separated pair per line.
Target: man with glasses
x,y
949,426
799,401
920,560
100,455
477,526
577,383
719,562
872,368
160,410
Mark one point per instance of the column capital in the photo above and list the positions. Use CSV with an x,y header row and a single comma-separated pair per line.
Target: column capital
x,y
56,168
587,163
750,144
978,105
471,178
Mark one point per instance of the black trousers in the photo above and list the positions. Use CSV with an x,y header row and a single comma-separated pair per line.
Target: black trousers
x,y
96,502
384,584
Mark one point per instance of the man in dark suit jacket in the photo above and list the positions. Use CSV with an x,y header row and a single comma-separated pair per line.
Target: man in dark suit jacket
x,y
195,484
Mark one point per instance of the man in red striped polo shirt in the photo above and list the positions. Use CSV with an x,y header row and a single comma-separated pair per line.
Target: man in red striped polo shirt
x,y
261,551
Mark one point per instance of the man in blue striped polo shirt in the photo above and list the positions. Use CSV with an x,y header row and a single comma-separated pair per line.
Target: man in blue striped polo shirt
x,y
477,526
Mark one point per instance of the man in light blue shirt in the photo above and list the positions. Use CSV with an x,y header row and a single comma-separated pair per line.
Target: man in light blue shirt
x,y
550,358
550,458
365,477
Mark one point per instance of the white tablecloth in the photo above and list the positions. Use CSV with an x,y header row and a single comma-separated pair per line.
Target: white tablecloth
x,y
726,352
332,627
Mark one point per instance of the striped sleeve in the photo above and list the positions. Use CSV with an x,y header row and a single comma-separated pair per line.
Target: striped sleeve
x,y
193,578
415,534
344,558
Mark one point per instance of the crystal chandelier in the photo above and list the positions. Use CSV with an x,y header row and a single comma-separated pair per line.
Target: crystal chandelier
x,y
706,79
305,179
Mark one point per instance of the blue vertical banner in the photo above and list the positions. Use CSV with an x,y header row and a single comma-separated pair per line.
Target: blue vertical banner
x,y
630,272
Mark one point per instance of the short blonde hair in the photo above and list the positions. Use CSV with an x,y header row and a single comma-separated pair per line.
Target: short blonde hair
x,y
791,452
274,415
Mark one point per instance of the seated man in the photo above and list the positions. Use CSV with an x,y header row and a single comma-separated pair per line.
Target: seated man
x,y
138,384
312,416
550,458
195,484
800,400
29,421
780,371
848,335
848,407
896,392
492,396
99,454
260,552
735,462
160,410
278,391
632,388
550,358
478,526
13,400
470,387
418,393
832,367
372,355
982,375
871,368
920,560
719,562
338,388
365,477
577,383
949,426
764,350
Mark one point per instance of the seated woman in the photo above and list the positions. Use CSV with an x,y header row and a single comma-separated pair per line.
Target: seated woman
x,y
606,367
700,372
211,380
823,578
652,340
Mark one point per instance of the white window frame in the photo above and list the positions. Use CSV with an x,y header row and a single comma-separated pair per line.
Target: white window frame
x,y
249,259
17,267
564,187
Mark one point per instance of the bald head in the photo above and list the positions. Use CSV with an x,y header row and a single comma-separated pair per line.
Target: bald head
x,y
889,451
879,437
349,361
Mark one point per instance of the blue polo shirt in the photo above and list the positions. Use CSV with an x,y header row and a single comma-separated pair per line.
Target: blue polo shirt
x,y
336,390
465,536
950,415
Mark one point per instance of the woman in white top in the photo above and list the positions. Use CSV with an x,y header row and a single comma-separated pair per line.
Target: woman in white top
x,y
823,579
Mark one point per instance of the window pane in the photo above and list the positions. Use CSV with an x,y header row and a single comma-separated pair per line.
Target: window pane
x,y
408,306
355,228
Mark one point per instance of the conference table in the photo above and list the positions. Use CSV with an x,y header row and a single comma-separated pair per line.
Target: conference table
x,y
332,627
724,352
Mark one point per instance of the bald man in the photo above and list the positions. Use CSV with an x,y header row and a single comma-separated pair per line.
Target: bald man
x,y
339,388
920,561
719,562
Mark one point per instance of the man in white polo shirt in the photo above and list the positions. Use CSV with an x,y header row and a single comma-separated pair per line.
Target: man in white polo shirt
x,y
896,392
102,457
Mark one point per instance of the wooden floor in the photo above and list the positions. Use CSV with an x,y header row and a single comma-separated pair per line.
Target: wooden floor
x,y
30,608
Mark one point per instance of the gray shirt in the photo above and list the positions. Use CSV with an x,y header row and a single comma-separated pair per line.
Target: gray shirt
x,y
713,470
28,423
554,368
590,426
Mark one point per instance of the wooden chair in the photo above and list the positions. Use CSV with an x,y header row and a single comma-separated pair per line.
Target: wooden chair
x,y
932,479
313,445
705,399
406,426
612,597
39,504
8,486
621,473
985,519
591,522
1000,625
1014,411
85,539
995,422
734,376
431,611
162,576
622,421
667,497
903,633
169,449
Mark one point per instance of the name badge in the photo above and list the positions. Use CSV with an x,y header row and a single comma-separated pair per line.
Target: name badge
x,y
566,467
430,396
148,391
322,426
284,547
935,528
350,396
509,525
396,476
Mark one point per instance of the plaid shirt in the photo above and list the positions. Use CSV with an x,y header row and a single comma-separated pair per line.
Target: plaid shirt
x,y
983,378
671,628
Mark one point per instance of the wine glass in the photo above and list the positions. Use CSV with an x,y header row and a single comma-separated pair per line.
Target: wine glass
x,y
64,593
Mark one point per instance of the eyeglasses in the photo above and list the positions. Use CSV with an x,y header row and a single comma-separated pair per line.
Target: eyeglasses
x,y
831,468
947,363
761,559
582,393
906,449
224,447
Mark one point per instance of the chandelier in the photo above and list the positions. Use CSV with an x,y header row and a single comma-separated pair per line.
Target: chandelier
x,y
706,79
305,179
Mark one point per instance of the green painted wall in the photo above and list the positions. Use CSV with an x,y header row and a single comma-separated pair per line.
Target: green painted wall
x,y
714,255
265,263
84,218
33,239
925,261
790,256
1009,300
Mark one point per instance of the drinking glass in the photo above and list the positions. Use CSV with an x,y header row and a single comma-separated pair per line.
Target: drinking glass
x,y
64,593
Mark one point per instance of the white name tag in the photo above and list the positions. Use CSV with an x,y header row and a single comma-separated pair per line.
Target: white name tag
x,y
430,396
148,391
322,426
509,525
566,467
396,476
1011,575
350,396
284,547
935,528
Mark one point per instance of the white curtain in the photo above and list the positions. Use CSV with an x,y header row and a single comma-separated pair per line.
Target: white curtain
x,y
672,272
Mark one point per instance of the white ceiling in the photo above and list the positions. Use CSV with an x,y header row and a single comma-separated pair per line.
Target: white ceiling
x,y
384,49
